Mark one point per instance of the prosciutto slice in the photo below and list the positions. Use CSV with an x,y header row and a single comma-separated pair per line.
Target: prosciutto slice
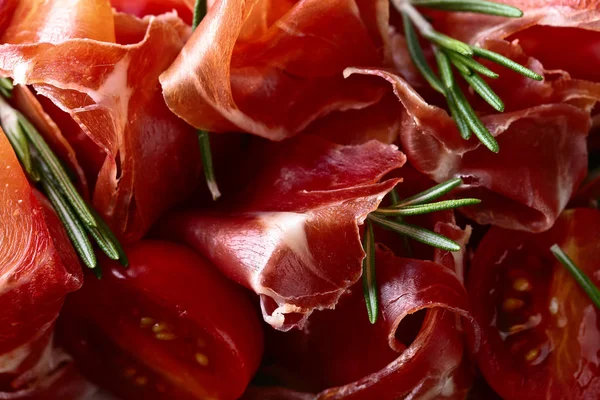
x,y
142,8
70,55
38,267
516,192
415,350
292,236
271,67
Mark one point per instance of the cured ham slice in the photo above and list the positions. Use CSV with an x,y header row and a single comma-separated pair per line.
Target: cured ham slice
x,y
272,67
516,191
415,350
38,267
292,236
142,8
75,62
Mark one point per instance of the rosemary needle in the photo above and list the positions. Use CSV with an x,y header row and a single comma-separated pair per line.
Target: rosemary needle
x,y
476,6
368,277
430,194
200,9
416,53
417,233
425,208
582,279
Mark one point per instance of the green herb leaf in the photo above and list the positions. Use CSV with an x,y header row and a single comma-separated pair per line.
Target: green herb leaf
x,y
426,208
466,64
394,197
417,233
108,235
446,42
484,90
430,194
474,122
369,279
200,9
445,69
506,62
58,173
209,172
74,228
6,87
475,6
417,56
103,242
461,123
582,279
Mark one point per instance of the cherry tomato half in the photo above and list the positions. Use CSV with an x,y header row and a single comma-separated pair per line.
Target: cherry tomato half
x,y
168,327
541,332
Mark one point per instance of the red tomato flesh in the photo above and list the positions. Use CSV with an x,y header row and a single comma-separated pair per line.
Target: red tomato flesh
x,y
169,326
541,332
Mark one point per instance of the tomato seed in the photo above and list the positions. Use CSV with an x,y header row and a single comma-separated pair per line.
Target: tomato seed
x,y
146,322
512,304
521,285
141,380
159,327
532,354
202,359
165,336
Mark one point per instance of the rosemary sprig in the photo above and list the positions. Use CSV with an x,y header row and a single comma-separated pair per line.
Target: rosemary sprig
x,y
582,279
476,6
454,54
391,218
43,167
369,279
200,9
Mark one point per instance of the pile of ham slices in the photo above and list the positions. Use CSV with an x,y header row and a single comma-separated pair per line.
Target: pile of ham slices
x,y
316,113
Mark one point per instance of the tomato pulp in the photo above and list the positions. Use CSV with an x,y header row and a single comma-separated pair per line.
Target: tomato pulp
x,y
541,332
168,327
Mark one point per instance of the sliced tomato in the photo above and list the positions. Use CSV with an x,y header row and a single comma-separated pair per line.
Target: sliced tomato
x,y
541,332
168,327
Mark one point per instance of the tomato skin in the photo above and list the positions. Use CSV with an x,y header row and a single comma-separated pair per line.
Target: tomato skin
x,y
540,331
162,313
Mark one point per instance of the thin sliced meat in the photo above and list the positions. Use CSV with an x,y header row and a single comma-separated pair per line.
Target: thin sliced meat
x,y
141,8
292,236
58,20
272,67
543,157
415,350
7,8
38,267
381,122
148,150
